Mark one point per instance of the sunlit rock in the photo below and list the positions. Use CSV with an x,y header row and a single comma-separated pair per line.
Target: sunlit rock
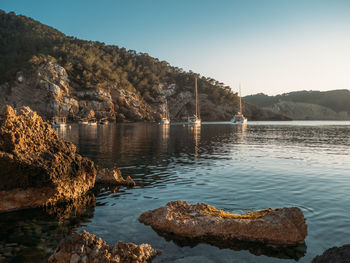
x,y
37,168
113,176
284,226
86,247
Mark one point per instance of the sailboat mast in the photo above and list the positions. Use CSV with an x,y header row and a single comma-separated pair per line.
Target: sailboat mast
x,y
166,110
196,93
240,99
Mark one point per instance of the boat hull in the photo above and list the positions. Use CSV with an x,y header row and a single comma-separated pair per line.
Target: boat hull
x,y
194,122
233,121
165,122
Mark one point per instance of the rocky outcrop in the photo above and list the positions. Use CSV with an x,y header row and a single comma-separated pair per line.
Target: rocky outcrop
x,y
88,248
284,226
113,176
334,255
129,107
37,168
46,88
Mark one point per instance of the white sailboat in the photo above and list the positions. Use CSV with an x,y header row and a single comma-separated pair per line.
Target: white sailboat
x,y
195,119
165,119
59,122
239,117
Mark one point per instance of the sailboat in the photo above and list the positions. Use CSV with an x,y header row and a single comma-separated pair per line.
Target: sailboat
x,y
239,118
165,119
195,119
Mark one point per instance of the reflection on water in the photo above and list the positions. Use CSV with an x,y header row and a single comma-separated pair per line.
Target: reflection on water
x,y
282,252
31,235
195,131
232,167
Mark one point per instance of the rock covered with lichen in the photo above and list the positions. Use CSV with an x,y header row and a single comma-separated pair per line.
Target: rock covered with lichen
x,y
88,248
38,168
284,226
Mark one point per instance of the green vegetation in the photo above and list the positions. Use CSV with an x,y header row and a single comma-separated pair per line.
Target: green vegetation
x,y
91,64
336,100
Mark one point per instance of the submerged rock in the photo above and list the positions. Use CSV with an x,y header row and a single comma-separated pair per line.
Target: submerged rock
x,y
113,176
86,247
334,255
284,226
38,168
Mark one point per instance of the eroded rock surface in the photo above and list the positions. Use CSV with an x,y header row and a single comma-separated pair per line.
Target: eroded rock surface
x,y
113,176
38,168
284,226
86,247
334,255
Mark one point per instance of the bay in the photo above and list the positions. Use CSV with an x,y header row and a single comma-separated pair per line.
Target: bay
x,y
239,169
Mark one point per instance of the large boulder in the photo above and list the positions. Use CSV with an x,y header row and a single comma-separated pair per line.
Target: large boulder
x,y
38,168
334,255
284,226
86,247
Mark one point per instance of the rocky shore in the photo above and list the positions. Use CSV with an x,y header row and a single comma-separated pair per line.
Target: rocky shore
x,y
37,168
87,248
284,226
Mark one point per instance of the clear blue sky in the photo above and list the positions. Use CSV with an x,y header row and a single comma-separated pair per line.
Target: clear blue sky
x,y
270,46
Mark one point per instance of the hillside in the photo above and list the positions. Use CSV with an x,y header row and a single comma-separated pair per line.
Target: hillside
x,y
306,105
58,75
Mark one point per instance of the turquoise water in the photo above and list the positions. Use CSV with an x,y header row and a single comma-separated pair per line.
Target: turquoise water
x,y
265,164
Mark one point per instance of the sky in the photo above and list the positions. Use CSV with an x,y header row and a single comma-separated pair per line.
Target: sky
x,y
268,46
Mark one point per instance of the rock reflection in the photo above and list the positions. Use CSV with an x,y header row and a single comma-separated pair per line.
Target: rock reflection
x,y
282,252
32,235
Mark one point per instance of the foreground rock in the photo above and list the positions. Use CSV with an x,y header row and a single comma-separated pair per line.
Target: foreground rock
x,y
37,168
284,226
113,176
334,255
86,247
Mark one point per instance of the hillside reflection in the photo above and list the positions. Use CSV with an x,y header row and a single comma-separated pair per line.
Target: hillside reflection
x,y
146,151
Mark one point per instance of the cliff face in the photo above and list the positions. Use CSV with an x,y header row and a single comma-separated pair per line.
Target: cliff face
x,y
47,89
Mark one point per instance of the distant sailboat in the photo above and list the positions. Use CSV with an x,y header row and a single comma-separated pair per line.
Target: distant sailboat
x,y
59,122
165,119
239,118
195,120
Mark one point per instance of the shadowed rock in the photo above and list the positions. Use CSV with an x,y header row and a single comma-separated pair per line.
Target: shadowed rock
x,y
334,255
86,247
113,176
284,226
37,168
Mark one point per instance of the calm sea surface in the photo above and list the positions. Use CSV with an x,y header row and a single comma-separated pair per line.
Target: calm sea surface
x,y
265,164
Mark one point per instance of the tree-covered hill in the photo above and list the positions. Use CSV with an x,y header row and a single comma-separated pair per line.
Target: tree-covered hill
x,y
334,104
26,45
